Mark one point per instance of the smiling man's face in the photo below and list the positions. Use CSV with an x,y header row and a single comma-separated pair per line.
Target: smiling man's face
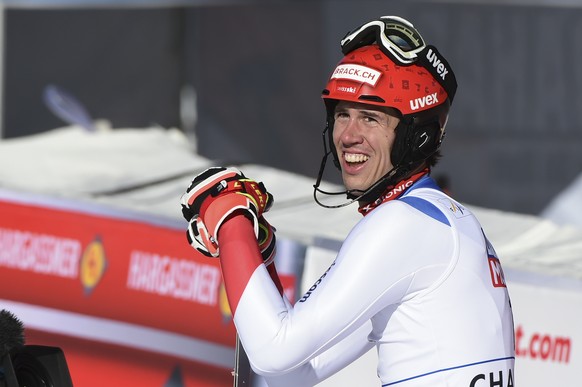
x,y
363,136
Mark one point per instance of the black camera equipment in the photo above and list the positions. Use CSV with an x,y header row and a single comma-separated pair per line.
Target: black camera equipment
x,y
28,365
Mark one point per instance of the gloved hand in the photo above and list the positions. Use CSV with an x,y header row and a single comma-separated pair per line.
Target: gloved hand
x,y
213,196
267,241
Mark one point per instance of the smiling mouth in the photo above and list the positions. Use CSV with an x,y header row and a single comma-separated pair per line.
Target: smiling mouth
x,y
355,158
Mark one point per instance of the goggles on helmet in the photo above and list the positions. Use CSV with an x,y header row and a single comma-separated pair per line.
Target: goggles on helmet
x,y
401,42
396,37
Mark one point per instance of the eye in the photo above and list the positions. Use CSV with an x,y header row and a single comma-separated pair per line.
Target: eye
x,y
340,114
370,119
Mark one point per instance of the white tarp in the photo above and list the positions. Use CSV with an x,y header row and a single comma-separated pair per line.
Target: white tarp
x,y
566,207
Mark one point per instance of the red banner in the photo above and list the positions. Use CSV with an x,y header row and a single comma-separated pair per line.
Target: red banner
x,y
113,268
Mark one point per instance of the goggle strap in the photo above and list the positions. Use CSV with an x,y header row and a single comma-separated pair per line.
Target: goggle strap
x,y
364,36
431,59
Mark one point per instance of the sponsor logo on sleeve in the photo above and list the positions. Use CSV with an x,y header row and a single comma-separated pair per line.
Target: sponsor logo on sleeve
x,y
456,209
315,285
497,276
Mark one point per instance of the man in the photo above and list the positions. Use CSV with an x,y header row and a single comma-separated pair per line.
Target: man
x,y
416,277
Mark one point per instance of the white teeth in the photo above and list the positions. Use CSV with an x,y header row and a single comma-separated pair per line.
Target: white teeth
x,y
355,157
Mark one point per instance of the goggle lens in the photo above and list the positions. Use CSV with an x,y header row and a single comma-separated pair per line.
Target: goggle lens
x,y
405,38
395,35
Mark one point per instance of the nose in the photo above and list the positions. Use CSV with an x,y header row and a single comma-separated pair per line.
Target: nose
x,y
350,132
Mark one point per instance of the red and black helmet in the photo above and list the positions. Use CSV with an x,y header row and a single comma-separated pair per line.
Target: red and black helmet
x,y
387,63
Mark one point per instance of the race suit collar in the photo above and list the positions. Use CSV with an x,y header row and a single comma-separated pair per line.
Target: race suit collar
x,y
418,180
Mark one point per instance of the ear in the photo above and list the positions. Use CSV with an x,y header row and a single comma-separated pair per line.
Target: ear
x,y
414,144
424,141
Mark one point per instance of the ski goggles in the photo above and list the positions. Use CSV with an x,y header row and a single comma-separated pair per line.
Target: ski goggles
x,y
401,42
396,37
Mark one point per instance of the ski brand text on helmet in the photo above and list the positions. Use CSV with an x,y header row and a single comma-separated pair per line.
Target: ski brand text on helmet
x,y
427,100
357,73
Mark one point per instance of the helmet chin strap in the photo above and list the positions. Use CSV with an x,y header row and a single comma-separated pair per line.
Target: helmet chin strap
x,y
392,177
356,195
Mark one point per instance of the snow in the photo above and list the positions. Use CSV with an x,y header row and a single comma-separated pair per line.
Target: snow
x,y
566,207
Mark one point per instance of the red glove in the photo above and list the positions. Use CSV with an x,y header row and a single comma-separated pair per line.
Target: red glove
x,y
218,193
267,241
